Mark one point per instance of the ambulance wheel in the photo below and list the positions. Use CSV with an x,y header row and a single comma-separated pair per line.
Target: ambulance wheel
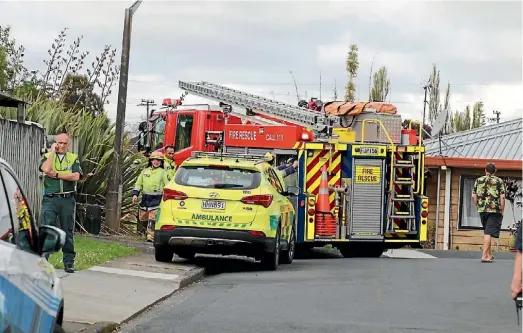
x,y
287,256
271,260
163,254
185,254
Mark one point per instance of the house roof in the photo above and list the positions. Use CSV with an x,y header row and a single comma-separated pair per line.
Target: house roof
x,y
10,101
501,141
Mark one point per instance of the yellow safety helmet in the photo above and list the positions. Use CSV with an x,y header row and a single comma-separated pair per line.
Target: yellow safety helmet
x,y
156,155
269,156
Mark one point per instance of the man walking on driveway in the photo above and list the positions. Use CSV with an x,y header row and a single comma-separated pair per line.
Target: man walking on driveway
x,y
62,170
488,195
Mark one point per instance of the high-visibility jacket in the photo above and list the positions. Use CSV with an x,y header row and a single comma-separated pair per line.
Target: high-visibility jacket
x,y
170,169
150,183
67,165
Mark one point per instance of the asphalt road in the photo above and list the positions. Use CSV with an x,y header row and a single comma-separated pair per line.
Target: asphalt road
x,y
330,294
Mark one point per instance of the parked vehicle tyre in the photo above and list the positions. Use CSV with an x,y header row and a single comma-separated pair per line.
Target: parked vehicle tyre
x,y
163,254
271,260
287,256
185,254
58,329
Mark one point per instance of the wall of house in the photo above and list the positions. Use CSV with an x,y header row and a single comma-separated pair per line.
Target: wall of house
x,y
459,239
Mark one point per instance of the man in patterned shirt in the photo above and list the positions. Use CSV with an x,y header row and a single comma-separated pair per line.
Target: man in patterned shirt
x,y
488,195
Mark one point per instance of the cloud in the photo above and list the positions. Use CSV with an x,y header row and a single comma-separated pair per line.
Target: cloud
x,y
253,45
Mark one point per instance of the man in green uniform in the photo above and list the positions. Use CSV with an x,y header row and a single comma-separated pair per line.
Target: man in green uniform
x,y
62,170
488,194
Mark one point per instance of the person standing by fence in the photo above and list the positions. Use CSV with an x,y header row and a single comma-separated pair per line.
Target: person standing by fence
x,y
150,183
61,173
488,194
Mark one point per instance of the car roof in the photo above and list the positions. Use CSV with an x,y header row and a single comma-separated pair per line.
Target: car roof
x,y
3,163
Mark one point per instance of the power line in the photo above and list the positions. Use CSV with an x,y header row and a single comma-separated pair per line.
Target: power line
x,y
261,83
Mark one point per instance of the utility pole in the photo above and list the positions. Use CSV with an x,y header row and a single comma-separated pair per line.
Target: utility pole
x,y
426,88
320,85
147,103
114,189
496,118
335,91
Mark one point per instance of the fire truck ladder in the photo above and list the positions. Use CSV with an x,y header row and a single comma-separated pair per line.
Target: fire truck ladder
x,y
401,213
313,120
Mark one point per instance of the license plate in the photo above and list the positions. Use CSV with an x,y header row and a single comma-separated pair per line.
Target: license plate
x,y
369,151
207,204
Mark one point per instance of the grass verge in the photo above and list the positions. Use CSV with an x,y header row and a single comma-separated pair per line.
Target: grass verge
x,y
90,252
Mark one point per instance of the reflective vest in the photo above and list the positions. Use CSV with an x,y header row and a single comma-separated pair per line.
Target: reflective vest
x,y
170,169
150,181
52,185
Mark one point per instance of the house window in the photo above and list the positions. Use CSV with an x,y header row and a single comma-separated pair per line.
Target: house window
x,y
468,214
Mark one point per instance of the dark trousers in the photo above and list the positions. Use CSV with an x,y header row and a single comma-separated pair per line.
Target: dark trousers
x,y
64,209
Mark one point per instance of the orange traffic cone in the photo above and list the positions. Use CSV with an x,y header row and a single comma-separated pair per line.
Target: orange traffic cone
x,y
322,200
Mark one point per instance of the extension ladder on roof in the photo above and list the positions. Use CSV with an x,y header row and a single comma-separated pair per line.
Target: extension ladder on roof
x,y
314,120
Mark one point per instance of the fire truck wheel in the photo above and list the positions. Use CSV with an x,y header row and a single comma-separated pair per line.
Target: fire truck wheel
x,y
163,254
368,250
271,260
302,251
287,256
347,251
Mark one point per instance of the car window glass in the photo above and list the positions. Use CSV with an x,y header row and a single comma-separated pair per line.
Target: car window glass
x,y
22,216
217,177
275,182
6,226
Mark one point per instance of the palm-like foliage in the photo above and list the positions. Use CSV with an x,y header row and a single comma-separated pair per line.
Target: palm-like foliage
x,y
95,137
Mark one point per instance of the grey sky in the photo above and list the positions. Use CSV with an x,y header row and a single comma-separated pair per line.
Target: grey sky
x,y
252,46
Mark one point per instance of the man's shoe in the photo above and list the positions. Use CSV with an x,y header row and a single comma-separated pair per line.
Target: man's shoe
x,y
69,269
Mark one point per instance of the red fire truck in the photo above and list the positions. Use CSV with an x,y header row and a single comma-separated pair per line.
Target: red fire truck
x,y
385,210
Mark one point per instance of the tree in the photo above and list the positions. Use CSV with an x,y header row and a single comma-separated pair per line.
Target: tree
x,y
352,65
434,103
80,94
12,69
380,86
62,99
434,97
478,115
469,119
64,79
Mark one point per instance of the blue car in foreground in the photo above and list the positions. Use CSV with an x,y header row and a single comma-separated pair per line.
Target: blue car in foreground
x,y
31,296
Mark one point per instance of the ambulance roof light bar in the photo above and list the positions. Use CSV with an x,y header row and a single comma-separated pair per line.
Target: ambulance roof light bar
x,y
229,155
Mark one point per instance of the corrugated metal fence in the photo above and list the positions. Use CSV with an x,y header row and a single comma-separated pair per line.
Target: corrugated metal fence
x,y
21,146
